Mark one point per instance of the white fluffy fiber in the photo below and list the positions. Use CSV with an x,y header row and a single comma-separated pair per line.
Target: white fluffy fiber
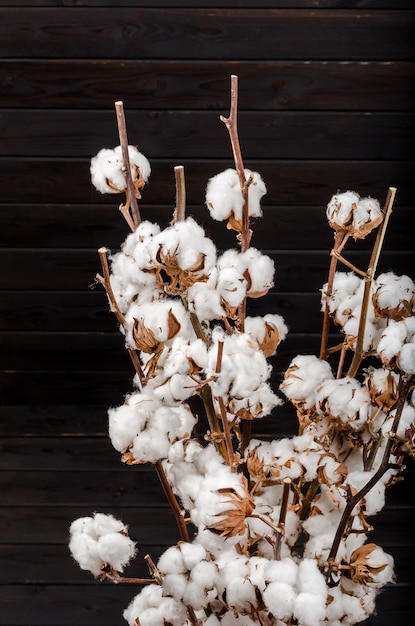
x,y
304,375
391,292
100,540
397,343
106,169
224,195
348,212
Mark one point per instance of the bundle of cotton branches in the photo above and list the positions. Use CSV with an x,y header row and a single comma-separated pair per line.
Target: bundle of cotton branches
x,y
282,530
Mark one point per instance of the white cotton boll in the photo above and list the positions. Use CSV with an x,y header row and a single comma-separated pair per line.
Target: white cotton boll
x,y
205,301
391,292
344,400
224,195
192,554
261,271
345,284
196,596
171,561
231,286
128,420
240,594
106,169
104,524
354,609
232,566
407,358
310,578
279,599
302,378
309,609
150,446
175,585
285,570
340,209
367,212
84,550
116,549
374,500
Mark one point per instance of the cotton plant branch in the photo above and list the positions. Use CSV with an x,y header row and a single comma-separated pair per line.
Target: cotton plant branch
x,y
130,193
406,382
370,274
180,210
176,508
105,280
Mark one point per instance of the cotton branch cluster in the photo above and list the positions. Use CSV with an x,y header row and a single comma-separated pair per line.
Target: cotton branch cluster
x,y
282,526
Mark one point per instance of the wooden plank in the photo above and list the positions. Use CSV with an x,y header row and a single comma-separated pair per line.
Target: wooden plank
x,y
71,352
195,134
94,225
289,183
50,524
88,311
65,270
267,85
54,420
129,486
48,564
303,4
222,33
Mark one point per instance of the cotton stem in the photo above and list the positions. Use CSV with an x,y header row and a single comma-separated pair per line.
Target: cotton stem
x,y
122,132
404,388
114,308
281,522
233,461
231,124
180,210
370,274
116,578
176,508
338,238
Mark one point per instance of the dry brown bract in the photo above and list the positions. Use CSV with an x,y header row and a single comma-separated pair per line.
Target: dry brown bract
x,y
233,520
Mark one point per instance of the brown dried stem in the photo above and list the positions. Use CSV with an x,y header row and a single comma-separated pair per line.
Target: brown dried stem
x,y
176,508
114,308
180,210
116,578
131,198
281,521
231,124
370,274
153,569
232,459
338,238
405,384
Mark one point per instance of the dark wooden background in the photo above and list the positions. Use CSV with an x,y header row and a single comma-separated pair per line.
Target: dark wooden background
x,y
326,103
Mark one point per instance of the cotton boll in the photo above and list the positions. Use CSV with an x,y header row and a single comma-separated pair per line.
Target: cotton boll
x,y
106,169
104,524
303,376
283,571
345,401
340,210
128,420
175,585
267,331
171,561
240,594
407,358
393,338
192,554
345,284
309,609
224,195
259,270
116,549
231,286
279,599
205,301
84,550
150,446
393,296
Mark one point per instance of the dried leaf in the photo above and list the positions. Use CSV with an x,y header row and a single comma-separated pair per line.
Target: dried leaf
x,y
360,570
144,337
173,325
233,520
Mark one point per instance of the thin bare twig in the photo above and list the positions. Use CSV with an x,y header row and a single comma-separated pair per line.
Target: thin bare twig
x,y
180,210
116,578
231,124
176,508
122,132
281,521
338,238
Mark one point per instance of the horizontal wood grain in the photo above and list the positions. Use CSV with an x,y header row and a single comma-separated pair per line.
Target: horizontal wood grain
x,y
289,182
196,134
205,33
68,269
94,225
204,84
87,311
313,4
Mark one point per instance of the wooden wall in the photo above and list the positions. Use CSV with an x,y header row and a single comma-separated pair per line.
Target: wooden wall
x,y
326,103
